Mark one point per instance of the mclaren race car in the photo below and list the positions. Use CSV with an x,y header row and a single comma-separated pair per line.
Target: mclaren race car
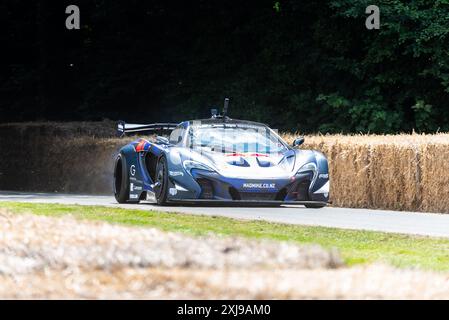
x,y
219,160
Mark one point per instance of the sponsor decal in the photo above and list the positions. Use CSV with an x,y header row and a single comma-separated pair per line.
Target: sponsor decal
x,y
135,180
259,185
323,175
176,173
133,196
173,191
143,145
133,187
132,170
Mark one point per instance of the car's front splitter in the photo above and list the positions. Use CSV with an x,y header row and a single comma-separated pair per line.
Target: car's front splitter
x,y
246,202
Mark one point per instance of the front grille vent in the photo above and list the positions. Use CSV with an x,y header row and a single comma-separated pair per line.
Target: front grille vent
x,y
235,195
261,196
280,196
303,190
258,196
207,189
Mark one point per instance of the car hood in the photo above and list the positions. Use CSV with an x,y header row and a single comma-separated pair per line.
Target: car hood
x,y
252,165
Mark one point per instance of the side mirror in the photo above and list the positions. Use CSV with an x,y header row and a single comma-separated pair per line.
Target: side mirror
x,y
298,141
162,140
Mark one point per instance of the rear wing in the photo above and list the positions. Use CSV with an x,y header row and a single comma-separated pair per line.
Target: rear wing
x,y
123,127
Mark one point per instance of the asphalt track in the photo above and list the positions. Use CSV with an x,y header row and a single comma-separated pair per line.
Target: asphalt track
x,y
428,224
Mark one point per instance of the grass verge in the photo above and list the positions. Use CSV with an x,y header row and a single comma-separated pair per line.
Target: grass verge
x,y
356,247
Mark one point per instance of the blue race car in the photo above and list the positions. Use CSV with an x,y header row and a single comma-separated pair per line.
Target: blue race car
x,y
219,160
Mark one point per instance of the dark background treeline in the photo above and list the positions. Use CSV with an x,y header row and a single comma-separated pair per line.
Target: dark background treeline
x,y
307,65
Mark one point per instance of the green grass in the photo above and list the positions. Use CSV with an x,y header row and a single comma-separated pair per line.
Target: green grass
x,y
356,247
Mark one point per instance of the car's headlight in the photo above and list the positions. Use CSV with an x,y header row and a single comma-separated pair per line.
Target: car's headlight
x,y
189,165
308,167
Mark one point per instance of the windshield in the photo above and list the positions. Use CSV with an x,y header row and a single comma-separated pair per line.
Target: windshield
x,y
235,139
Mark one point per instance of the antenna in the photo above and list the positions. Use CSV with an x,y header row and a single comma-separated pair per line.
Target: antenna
x,y
225,107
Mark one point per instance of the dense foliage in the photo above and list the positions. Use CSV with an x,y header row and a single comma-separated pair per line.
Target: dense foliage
x,y
307,65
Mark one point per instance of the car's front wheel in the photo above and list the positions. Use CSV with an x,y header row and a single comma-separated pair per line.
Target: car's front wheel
x,y
161,183
121,179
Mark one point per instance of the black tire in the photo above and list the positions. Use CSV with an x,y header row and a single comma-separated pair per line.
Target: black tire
x,y
315,206
121,179
161,190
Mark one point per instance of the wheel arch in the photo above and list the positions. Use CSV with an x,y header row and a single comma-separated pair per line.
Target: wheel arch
x,y
127,162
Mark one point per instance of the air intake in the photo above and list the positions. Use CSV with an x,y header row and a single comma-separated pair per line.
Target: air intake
x,y
258,196
207,189
303,190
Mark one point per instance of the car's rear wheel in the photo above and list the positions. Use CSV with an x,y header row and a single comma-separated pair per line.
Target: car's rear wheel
x,y
161,183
